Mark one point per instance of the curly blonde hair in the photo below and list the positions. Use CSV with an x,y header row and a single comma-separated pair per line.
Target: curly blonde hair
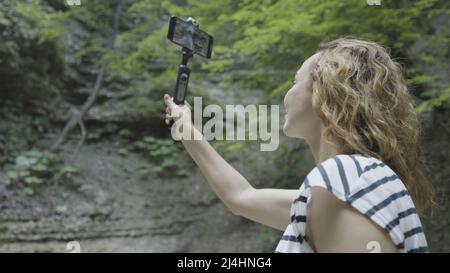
x,y
361,97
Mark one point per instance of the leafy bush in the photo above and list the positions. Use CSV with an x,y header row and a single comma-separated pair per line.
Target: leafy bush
x,y
164,156
11,127
33,168
30,51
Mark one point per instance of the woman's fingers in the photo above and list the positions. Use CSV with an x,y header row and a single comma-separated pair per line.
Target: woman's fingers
x,y
167,100
168,118
173,111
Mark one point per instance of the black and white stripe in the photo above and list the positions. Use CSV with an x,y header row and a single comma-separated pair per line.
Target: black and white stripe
x,y
368,185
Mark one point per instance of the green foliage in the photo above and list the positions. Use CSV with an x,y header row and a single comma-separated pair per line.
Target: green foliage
x,y
279,35
441,100
164,157
262,43
258,44
48,51
61,209
30,52
13,126
33,168
42,20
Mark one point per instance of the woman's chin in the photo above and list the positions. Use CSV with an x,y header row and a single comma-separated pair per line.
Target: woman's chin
x,y
286,129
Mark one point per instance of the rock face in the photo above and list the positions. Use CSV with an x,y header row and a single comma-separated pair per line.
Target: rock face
x,y
115,209
436,155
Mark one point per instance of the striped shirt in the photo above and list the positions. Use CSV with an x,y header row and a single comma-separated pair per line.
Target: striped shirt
x,y
368,185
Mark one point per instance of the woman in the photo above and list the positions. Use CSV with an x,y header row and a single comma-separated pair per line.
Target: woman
x,y
349,102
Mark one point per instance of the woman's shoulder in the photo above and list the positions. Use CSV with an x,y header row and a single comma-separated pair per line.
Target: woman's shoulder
x,y
372,188
343,174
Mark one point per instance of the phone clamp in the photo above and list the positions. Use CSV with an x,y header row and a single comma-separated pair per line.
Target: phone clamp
x,y
184,71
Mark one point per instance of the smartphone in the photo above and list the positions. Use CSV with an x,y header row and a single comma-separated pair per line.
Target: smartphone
x,y
189,36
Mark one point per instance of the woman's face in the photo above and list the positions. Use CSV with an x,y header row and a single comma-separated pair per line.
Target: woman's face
x,y
301,121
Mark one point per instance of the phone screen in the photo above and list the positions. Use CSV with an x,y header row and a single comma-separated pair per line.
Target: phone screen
x,y
190,36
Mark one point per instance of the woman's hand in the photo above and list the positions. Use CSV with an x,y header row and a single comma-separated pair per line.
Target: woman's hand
x,y
180,114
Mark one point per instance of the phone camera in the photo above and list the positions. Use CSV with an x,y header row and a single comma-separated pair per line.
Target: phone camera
x,y
192,21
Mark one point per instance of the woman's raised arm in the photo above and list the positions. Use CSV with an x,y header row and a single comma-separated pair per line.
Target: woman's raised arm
x,y
270,207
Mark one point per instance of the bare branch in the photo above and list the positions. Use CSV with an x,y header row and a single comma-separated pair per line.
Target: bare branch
x,y
77,118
